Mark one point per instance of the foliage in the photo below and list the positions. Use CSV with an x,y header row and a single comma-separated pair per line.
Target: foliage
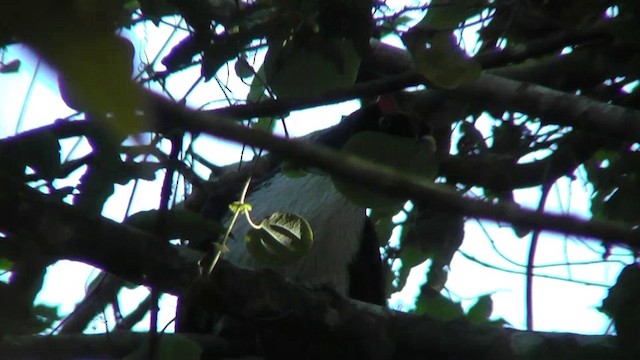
x,y
622,306
280,239
555,80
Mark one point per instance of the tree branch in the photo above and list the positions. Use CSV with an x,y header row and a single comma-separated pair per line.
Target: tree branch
x,y
64,232
115,345
543,46
553,107
308,319
499,173
387,181
91,305
298,322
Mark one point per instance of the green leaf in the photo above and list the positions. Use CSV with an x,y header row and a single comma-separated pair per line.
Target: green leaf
x,y
520,231
239,207
403,155
266,123
444,63
282,239
624,296
257,94
448,14
243,69
430,233
435,231
410,256
622,304
5,264
506,198
383,222
291,170
95,76
615,186
311,68
258,87
481,310
622,204
437,306
437,275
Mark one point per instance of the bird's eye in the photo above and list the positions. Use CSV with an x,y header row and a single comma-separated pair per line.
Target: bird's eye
x,y
384,123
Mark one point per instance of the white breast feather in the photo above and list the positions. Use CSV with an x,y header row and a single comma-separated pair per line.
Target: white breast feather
x,y
337,228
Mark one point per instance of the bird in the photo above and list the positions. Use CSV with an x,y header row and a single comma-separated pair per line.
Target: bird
x,y
345,254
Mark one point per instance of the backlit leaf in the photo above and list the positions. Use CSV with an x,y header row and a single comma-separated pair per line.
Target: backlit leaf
x,y
444,63
311,69
283,238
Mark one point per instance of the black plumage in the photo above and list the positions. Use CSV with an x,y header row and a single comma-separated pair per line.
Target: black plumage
x,y
345,252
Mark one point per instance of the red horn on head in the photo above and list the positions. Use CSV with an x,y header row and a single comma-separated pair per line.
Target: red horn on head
x,y
387,104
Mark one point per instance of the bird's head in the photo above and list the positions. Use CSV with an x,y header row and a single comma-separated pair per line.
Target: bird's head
x,y
382,115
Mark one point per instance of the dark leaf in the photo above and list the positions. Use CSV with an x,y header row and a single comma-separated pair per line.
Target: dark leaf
x,y
481,310
437,306
443,62
622,304
12,66
95,75
5,264
384,224
169,348
243,69
311,68
403,155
